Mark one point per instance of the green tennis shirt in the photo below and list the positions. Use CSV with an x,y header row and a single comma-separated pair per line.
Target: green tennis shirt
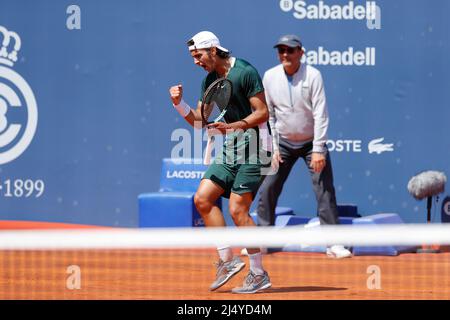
x,y
246,84
239,147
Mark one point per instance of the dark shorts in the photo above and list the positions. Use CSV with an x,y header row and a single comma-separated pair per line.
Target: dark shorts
x,y
241,166
239,177
233,179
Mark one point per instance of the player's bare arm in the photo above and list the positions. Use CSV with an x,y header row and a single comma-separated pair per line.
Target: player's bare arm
x,y
193,117
260,112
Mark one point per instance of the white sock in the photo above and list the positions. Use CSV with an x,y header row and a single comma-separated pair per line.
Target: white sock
x,y
256,263
225,253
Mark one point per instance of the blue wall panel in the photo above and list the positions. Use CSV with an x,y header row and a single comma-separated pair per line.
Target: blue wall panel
x,y
105,120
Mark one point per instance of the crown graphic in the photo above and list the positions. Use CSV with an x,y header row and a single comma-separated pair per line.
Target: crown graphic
x,y
9,57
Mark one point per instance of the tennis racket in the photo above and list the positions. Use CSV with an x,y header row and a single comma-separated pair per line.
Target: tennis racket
x,y
214,107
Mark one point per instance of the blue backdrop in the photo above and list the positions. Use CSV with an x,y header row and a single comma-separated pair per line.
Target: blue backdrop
x,y
100,73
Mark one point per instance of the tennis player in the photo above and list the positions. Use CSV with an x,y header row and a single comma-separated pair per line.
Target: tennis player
x,y
230,175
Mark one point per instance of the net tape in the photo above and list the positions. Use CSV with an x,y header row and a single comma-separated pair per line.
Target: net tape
x,y
373,235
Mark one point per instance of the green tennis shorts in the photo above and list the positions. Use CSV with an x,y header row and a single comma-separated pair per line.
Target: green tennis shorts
x,y
237,177
240,167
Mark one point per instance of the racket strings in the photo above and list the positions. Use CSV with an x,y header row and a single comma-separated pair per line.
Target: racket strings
x,y
208,109
217,101
222,95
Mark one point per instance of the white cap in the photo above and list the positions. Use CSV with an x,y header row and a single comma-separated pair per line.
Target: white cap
x,y
205,40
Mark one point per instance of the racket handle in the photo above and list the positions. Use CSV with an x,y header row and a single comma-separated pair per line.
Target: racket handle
x,y
208,151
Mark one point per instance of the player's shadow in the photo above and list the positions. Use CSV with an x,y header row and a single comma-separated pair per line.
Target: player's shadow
x,y
301,289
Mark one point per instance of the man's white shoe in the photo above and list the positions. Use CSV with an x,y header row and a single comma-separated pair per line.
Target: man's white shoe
x,y
338,252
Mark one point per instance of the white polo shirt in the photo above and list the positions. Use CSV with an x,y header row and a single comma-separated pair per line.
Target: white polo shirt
x,y
298,108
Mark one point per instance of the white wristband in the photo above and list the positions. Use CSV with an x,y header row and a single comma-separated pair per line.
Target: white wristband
x,y
182,108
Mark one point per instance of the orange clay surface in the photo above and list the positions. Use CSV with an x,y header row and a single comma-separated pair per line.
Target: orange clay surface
x,y
187,274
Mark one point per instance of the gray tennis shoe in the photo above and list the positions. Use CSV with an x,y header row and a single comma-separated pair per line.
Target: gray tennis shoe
x,y
225,271
254,283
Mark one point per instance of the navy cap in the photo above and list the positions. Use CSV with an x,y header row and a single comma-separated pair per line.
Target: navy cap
x,y
289,40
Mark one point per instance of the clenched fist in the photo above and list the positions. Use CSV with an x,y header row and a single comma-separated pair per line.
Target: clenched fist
x,y
176,94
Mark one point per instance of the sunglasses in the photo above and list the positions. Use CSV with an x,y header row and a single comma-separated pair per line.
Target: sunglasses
x,y
289,50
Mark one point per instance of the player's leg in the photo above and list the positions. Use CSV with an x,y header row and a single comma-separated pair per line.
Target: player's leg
x,y
212,186
239,206
257,279
205,201
245,187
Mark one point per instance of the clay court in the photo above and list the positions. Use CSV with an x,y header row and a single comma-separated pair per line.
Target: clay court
x,y
186,275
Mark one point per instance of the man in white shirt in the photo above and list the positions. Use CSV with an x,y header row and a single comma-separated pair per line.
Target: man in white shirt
x,y
296,99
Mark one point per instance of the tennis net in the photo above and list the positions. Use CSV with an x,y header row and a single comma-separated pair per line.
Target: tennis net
x,y
177,264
